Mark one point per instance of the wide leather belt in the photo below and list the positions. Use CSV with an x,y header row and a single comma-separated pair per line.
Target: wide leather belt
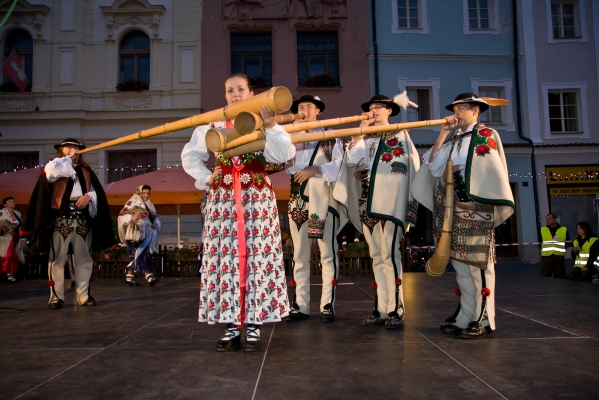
x,y
460,188
295,187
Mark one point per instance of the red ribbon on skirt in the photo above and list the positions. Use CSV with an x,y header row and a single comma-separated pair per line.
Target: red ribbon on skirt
x,y
243,256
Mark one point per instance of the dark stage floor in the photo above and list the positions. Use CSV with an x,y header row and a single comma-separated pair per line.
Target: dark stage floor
x,y
143,343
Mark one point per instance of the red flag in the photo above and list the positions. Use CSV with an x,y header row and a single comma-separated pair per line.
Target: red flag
x,y
13,68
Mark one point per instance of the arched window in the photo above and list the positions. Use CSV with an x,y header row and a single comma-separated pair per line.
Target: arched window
x,y
20,41
134,57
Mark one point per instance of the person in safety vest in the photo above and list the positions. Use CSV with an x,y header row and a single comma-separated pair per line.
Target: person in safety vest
x,y
553,249
585,251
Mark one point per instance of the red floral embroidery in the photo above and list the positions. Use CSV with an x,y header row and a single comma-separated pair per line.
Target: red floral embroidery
x,y
482,149
485,132
50,283
398,282
492,144
335,282
387,157
458,292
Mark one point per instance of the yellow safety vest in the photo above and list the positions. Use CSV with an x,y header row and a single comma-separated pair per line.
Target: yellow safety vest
x,y
583,253
553,245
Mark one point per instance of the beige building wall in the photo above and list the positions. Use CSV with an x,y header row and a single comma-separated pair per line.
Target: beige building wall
x,y
76,69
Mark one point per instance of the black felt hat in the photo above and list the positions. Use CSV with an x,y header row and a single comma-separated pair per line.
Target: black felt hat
x,y
469,98
307,98
380,99
70,142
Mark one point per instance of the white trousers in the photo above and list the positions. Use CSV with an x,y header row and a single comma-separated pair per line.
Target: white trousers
x,y
302,248
83,261
470,283
384,246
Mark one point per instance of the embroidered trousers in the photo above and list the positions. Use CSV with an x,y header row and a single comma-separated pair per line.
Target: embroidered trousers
x,y
470,283
302,248
383,244
79,237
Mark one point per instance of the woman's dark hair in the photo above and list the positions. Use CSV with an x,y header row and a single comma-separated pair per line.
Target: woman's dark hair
x,y
243,76
59,154
144,187
5,200
586,227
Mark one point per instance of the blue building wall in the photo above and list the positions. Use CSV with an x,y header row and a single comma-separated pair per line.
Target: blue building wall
x,y
449,60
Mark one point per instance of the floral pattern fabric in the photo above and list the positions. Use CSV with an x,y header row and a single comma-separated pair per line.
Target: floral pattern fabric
x,y
266,295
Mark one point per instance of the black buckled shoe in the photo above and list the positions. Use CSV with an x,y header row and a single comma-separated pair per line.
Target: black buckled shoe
x,y
129,280
475,331
394,321
152,280
55,304
327,314
90,302
372,320
450,329
231,340
296,315
253,342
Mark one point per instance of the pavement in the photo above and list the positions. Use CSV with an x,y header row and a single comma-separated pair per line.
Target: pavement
x,y
146,343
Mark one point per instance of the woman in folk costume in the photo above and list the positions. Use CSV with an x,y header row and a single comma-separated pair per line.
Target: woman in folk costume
x,y
483,200
314,214
139,224
383,207
11,245
243,276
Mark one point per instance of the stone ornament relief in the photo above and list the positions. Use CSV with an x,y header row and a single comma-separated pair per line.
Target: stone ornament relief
x,y
132,103
16,105
283,9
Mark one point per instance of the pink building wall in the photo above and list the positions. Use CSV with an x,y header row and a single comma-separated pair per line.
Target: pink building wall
x,y
349,19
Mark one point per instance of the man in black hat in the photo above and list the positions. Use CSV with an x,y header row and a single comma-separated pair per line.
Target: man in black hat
x,y
313,214
68,207
482,200
386,163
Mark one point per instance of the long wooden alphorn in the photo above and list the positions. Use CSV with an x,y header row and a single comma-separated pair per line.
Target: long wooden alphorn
x,y
436,265
222,139
278,99
248,122
258,145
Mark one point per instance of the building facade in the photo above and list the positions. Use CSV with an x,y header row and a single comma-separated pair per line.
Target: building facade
x,y
311,47
545,62
98,70
560,70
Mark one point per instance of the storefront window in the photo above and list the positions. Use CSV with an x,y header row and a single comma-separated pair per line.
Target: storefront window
x,y
572,190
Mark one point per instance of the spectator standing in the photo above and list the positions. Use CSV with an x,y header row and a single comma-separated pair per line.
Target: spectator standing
x,y
11,245
553,249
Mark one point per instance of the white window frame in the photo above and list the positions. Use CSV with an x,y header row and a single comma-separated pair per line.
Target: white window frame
x,y
422,20
434,85
581,89
579,20
493,20
507,111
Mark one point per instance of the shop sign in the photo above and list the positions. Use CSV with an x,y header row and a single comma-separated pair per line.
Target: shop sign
x,y
572,175
574,191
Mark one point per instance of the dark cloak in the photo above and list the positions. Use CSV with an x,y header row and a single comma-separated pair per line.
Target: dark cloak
x,y
38,223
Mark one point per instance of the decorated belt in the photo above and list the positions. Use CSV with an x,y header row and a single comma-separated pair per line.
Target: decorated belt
x,y
365,183
295,187
460,188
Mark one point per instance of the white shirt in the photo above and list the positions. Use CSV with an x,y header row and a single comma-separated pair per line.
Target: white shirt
x,y
62,167
363,152
459,156
303,155
278,149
